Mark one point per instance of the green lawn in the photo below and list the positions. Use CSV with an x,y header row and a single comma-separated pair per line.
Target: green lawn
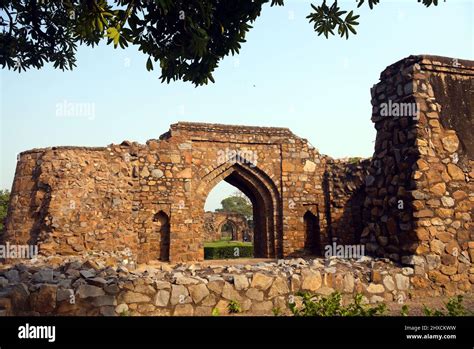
x,y
225,243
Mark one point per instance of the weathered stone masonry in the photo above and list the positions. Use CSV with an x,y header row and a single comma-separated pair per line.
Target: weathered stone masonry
x,y
419,192
110,289
145,197
411,202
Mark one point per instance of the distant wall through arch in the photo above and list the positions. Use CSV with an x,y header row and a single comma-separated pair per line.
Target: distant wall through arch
x,y
214,221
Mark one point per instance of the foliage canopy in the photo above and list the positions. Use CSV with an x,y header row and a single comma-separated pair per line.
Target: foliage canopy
x,y
186,38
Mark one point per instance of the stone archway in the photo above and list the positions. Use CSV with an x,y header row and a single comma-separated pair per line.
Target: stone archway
x,y
234,233
160,241
214,221
263,194
125,185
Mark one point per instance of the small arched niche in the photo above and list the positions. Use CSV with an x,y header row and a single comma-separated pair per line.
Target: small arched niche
x,y
160,244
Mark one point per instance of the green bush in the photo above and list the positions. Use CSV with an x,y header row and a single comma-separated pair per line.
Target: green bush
x,y
331,306
234,307
229,251
276,311
454,307
354,160
405,310
4,197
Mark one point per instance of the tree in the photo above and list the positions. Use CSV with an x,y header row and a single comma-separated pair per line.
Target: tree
x,y
239,194
4,197
187,37
237,204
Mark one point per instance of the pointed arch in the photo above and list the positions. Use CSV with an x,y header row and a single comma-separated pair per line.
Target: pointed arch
x,y
161,236
234,228
265,198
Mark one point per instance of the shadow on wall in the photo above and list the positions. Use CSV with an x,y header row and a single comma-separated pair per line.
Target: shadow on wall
x,y
369,201
344,197
312,241
40,198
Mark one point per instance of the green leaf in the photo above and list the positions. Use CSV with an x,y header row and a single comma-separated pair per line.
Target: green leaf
x,y
114,35
100,25
149,64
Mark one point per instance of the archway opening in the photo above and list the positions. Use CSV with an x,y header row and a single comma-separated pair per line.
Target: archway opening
x,y
228,231
265,227
228,221
312,241
160,240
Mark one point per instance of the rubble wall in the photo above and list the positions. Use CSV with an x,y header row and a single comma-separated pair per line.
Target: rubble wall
x,y
420,183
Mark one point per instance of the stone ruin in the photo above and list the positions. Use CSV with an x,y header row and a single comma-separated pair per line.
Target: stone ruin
x,y
150,198
411,202
215,221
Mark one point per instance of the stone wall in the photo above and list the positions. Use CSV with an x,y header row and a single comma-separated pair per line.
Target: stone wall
x,y
345,196
420,184
87,286
150,198
71,199
410,205
411,202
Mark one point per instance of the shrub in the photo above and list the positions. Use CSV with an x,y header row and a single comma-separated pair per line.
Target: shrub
x,y
276,311
405,310
4,197
234,307
354,160
454,307
229,251
331,306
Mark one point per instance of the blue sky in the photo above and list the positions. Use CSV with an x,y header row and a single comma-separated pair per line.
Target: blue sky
x,y
284,76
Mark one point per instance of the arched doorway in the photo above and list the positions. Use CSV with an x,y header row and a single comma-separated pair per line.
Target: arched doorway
x,y
161,244
228,230
312,241
265,199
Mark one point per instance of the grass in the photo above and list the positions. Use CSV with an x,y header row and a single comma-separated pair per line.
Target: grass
x,y
226,243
